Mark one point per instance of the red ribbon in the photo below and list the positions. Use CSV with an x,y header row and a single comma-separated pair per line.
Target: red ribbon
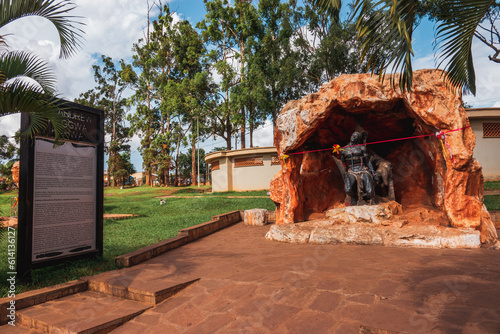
x,y
437,134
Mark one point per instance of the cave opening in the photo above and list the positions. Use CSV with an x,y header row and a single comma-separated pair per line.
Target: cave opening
x,y
413,160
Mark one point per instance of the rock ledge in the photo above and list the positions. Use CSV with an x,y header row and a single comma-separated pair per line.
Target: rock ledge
x,y
328,232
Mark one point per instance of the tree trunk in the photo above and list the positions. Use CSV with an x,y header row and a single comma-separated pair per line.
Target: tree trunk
x,y
193,157
176,180
251,134
169,161
242,129
193,161
228,131
242,135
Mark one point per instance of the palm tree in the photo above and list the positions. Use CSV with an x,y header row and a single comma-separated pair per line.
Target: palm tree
x,y
36,96
385,27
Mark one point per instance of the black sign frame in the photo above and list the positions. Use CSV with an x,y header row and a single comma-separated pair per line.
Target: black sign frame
x,y
95,136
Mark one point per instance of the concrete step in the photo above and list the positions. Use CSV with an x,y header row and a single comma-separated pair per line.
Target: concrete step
x,y
82,313
142,285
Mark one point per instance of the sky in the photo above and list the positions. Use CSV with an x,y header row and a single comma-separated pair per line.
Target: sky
x,y
112,26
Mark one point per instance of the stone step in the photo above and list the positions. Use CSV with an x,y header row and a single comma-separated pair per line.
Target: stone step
x,y
144,286
82,313
8,329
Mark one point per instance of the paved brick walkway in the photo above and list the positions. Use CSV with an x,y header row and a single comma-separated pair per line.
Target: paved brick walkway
x,y
250,285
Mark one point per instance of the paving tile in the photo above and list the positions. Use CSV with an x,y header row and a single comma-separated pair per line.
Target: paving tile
x,y
297,297
347,328
187,315
236,291
362,298
385,288
311,322
277,314
241,326
326,302
212,324
331,284
131,327
354,311
388,318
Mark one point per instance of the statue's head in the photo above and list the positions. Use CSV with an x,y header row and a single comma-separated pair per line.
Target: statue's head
x,y
355,137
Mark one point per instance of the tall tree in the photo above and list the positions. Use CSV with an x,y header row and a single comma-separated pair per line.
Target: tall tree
x,y
108,96
328,48
36,97
216,31
245,30
275,70
153,120
124,167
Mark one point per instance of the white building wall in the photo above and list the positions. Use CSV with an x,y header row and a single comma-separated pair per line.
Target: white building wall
x,y
220,176
487,150
254,177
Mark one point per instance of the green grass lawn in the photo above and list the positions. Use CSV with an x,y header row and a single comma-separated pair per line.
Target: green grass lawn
x,y
492,202
492,185
155,223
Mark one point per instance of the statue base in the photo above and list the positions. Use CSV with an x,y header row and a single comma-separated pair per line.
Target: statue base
x,y
384,224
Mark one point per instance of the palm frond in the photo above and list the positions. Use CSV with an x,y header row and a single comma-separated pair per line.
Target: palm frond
x,y
70,35
385,30
455,33
330,7
17,65
20,97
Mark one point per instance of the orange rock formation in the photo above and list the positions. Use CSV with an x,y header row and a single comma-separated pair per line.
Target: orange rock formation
x,y
424,173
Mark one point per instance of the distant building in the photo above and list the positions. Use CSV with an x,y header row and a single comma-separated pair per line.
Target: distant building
x,y
485,122
245,169
140,176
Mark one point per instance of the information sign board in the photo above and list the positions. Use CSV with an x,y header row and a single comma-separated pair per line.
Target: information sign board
x,y
61,191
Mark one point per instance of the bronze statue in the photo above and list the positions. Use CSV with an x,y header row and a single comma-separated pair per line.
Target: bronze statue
x,y
365,170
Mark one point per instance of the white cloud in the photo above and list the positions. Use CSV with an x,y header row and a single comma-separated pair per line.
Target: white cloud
x,y
487,73
487,83
10,124
424,62
263,136
112,26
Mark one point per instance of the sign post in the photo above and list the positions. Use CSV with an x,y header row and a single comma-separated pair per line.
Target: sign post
x,y
61,191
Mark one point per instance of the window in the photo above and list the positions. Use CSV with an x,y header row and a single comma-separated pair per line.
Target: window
x,y
491,130
275,160
253,161
215,165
